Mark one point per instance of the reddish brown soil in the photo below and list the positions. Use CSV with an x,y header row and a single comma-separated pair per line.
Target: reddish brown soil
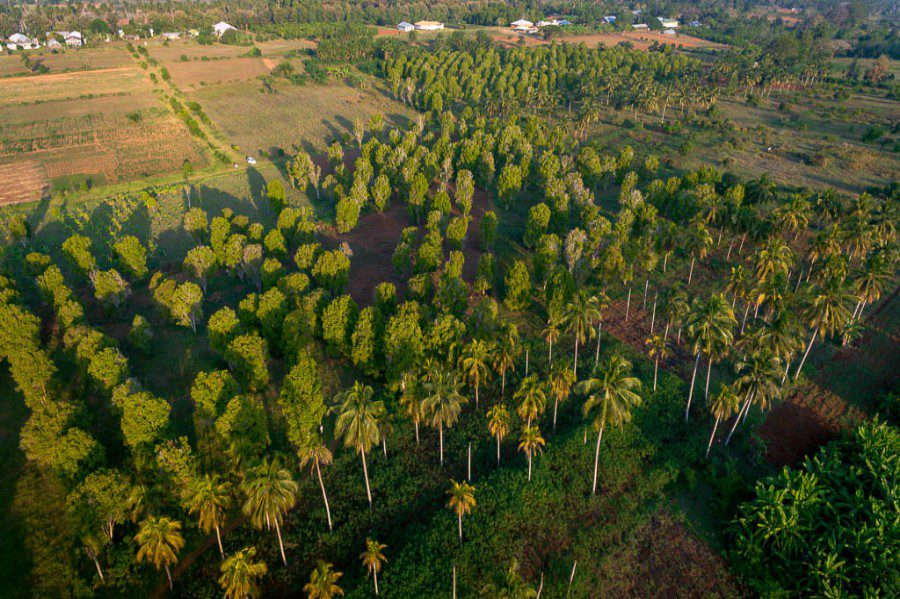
x,y
665,559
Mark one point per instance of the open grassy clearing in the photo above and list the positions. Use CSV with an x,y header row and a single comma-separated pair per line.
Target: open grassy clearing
x,y
108,56
198,73
306,115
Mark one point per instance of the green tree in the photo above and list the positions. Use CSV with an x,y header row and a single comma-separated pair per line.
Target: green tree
x,y
578,318
247,356
561,381
357,424
611,394
657,349
159,541
825,309
474,363
187,305
518,286
489,223
723,406
132,256
110,288
531,397
711,329
196,223
536,224
200,262
77,250
223,327
241,574
271,492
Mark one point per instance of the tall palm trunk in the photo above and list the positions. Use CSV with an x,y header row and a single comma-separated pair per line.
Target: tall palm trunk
x,y
712,436
555,406
529,466
375,578
806,353
441,435
646,289
218,538
366,476
730,245
691,271
550,353
628,305
575,362
280,542
169,576
498,449
655,371
416,424
744,321
708,372
99,570
687,410
459,520
596,461
737,420
324,495
597,354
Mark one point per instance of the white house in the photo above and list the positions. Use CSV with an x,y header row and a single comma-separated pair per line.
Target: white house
x,y
53,44
694,24
540,24
171,35
521,24
668,32
74,39
405,27
667,23
429,25
20,40
221,27
640,26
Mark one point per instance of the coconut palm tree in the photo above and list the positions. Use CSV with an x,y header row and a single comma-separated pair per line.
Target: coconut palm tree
x,y
825,310
711,331
159,541
666,241
699,243
474,364
657,349
675,310
530,442
462,500
792,216
551,336
531,397
506,350
373,559
723,406
510,586
411,399
873,278
561,382
357,423
271,492
323,582
498,424
579,317
612,393
443,402
315,454
782,334
738,285
241,574
759,377
209,497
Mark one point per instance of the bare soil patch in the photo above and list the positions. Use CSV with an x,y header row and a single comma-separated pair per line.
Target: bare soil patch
x,y
199,72
22,181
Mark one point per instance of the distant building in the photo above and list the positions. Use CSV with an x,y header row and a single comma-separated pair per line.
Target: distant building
x,y
564,22
132,37
521,24
53,44
21,41
668,32
194,32
171,35
74,39
540,24
667,23
640,26
429,25
609,20
405,27
221,27
694,24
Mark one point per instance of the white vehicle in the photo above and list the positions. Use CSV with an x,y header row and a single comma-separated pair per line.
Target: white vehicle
x,y
251,160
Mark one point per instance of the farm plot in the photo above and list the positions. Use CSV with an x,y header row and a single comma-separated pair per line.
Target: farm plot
x,y
105,123
258,121
22,181
197,73
106,57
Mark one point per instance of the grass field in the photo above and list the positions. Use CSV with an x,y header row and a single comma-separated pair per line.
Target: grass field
x,y
108,56
310,115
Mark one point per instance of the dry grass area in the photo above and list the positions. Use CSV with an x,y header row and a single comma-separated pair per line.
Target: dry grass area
x,y
108,56
641,40
197,73
310,115
103,123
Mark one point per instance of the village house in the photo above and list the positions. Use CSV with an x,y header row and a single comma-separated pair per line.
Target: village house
x,y
221,27
429,25
20,41
73,39
53,44
640,26
171,35
522,25
405,27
